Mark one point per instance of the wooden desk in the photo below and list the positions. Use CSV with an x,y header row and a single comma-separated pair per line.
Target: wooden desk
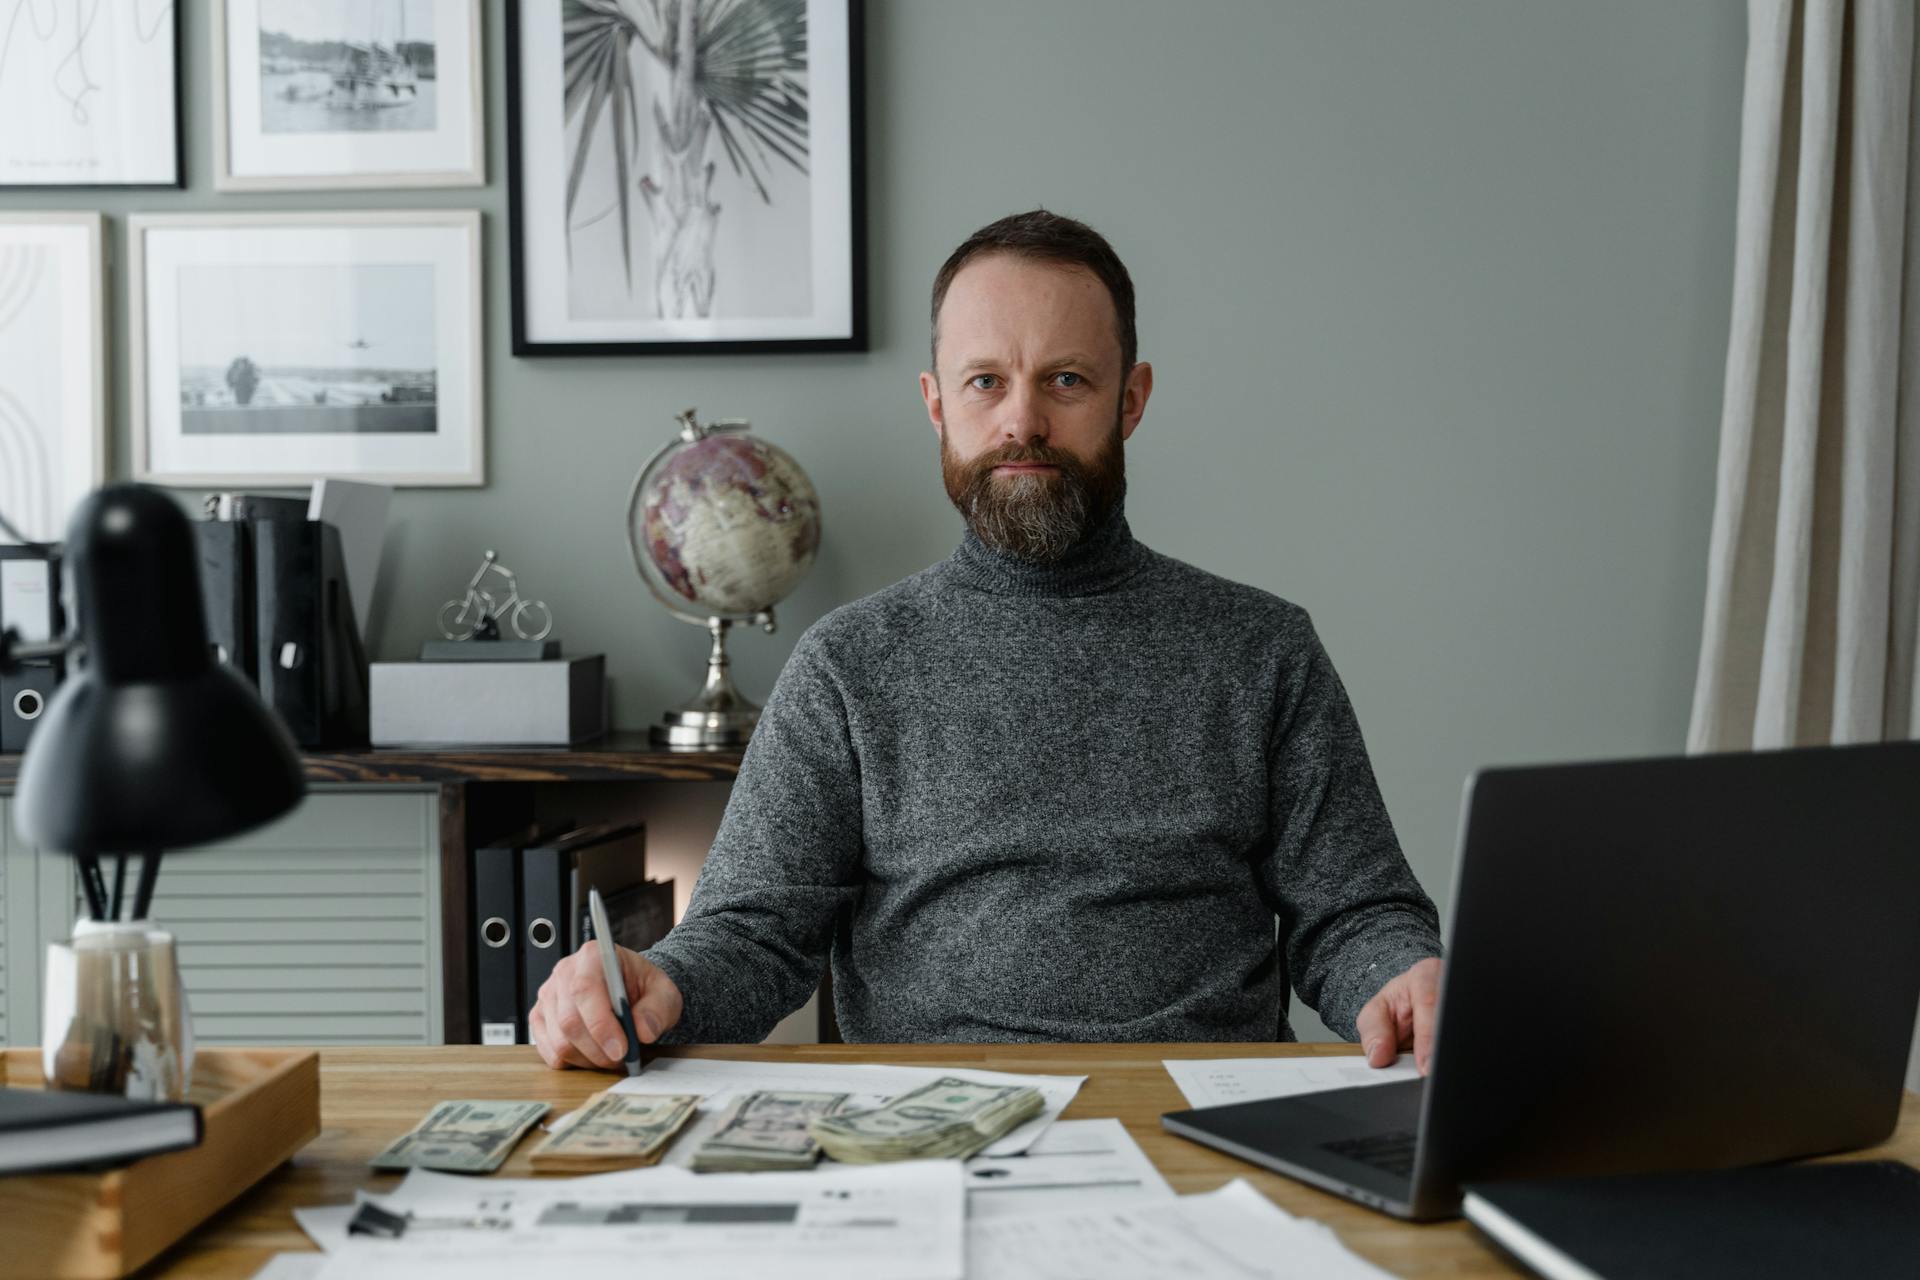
x,y
370,1096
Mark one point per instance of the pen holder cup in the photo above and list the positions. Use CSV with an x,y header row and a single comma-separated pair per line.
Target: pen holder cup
x,y
114,1013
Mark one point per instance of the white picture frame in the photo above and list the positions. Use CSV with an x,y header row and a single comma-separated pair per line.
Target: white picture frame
x,y
53,379
90,95
274,349
338,102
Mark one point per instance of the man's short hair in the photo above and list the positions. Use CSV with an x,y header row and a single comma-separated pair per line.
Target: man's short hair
x,y
1049,238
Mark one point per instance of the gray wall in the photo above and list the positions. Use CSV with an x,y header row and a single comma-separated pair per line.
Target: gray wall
x,y
1436,294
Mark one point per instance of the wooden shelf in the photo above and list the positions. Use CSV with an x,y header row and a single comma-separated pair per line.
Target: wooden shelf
x,y
617,757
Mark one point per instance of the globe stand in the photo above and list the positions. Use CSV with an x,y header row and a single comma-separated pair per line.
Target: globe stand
x,y
719,715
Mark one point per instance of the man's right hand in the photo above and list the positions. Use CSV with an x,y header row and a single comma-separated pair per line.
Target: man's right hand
x,y
573,1023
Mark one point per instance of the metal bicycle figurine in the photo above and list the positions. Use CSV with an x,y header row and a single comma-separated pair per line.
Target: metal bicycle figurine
x,y
480,613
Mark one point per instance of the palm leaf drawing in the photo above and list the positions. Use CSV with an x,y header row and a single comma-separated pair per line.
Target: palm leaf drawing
x,y
748,78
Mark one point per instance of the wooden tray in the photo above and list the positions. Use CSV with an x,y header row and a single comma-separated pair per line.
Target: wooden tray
x,y
259,1106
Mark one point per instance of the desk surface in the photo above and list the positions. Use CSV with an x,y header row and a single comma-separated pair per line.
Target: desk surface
x,y
370,1096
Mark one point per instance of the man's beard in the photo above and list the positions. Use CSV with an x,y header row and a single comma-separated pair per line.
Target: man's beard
x,y
1037,516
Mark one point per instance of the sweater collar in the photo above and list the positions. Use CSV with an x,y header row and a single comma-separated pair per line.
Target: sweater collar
x,y
1102,560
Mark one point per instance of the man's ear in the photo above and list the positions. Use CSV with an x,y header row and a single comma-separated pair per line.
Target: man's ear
x,y
1133,397
930,392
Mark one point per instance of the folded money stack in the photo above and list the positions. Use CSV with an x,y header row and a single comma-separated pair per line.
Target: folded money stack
x,y
950,1117
467,1136
766,1130
615,1131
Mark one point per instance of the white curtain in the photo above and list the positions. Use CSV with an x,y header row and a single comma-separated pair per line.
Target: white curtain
x,y
1813,587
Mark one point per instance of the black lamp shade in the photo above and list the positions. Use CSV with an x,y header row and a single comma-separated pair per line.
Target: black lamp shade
x,y
149,744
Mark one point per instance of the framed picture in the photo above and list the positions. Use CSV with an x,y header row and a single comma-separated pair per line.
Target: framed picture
x,y
53,421
686,176
276,348
90,94
311,94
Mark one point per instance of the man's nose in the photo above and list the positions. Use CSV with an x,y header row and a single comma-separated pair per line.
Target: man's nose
x,y
1026,419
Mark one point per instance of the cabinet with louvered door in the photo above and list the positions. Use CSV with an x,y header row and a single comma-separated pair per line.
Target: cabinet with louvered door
x,y
36,894
320,928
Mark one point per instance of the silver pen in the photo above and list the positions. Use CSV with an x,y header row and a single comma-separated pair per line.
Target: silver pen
x,y
616,984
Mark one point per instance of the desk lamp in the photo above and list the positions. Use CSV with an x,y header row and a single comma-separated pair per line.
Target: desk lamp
x,y
149,744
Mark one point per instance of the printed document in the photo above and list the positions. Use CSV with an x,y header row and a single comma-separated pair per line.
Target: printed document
x,y
1215,1082
1234,1233
1077,1164
901,1220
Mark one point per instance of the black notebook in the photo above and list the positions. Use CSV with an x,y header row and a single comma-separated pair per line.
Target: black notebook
x,y
1859,1219
47,1129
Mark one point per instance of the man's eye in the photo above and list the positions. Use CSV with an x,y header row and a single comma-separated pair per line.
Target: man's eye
x,y
1069,379
982,381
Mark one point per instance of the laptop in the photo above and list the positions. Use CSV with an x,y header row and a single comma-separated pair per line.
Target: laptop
x,y
1698,962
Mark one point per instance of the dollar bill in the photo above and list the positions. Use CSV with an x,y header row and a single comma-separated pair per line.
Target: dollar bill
x,y
615,1131
950,1117
462,1137
766,1130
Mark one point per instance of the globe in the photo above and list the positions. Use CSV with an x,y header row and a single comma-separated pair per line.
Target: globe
x,y
728,522
722,525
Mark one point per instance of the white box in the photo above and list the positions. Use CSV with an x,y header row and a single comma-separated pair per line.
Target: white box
x,y
440,704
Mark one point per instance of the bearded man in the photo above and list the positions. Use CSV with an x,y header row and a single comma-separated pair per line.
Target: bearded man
x,y
1056,787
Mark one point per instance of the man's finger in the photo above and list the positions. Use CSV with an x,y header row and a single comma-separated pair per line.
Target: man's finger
x,y
656,1007
1426,1004
550,1053
598,1034
1377,1037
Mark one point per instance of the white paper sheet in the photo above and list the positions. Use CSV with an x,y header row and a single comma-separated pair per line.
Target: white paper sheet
x,y
1077,1164
899,1220
1215,1082
716,1080
326,1224
1234,1233
292,1266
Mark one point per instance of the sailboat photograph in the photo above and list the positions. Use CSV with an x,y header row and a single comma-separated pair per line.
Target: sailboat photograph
x,y
333,65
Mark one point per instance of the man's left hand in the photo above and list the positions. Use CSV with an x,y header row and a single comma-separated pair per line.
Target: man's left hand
x,y
1400,1016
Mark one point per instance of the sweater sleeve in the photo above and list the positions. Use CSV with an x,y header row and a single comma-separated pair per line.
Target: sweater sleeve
x,y
1351,912
787,857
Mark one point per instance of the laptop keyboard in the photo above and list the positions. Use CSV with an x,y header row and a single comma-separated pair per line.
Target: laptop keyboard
x,y
1392,1152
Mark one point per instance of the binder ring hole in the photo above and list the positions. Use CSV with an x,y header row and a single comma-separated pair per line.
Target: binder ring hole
x,y
540,933
28,704
495,932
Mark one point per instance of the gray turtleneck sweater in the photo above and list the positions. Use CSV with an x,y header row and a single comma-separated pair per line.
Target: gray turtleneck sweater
x,y
1114,798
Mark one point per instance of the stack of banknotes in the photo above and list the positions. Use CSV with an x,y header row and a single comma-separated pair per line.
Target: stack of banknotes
x,y
948,1118
615,1131
465,1136
766,1130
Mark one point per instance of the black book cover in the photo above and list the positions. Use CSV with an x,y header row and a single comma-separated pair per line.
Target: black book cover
x,y
54,1129
1859,1219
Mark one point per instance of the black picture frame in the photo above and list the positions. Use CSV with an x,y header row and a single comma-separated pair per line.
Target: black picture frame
x,y
854,340
179,182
